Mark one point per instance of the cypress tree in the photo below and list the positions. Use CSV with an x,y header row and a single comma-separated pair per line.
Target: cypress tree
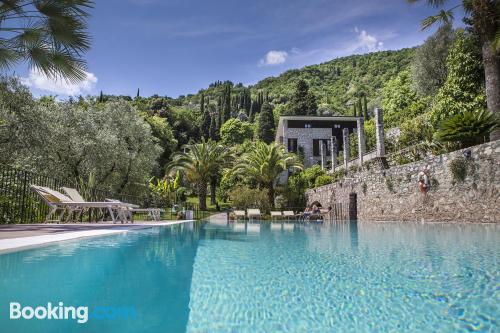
x,y
138,93
206,118
101,98
212,132
265,129
220,118
227,104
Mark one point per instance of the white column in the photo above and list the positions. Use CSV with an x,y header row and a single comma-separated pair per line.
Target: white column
x,y
345,135
333,148
361,140
379,132
322,151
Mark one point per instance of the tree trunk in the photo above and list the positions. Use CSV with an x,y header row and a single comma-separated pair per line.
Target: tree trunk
x,y
271,194
492,77
202,195
213,187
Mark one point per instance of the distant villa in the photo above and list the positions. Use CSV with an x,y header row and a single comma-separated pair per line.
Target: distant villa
x,y
314,137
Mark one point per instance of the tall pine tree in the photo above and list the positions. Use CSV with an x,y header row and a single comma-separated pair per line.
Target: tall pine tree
x,y
206,118
226,104
265,128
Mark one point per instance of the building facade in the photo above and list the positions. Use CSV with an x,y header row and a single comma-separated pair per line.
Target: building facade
x,y
311,136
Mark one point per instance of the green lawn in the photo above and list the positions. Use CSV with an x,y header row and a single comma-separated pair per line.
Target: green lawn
x,y
210,207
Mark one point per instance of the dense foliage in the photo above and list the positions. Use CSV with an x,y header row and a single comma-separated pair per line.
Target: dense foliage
x,y
71,140
222,138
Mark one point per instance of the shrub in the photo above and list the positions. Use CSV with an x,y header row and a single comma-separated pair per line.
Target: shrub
x,y
310,175
467,128
244,197
323,180
414,131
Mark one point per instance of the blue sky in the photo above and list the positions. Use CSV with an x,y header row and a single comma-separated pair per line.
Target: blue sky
x,y
174,47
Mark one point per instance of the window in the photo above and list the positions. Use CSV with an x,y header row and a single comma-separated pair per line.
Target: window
x,y
292,145
317,149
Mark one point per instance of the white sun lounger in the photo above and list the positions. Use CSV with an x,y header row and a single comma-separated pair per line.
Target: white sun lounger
x,y
276,214
154,213
239,213
289,214
56,200
121,208
253,213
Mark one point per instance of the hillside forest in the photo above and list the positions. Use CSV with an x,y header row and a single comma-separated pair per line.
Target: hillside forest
x,y
433,98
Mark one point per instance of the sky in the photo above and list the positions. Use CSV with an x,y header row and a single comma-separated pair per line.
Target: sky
x,y
177,47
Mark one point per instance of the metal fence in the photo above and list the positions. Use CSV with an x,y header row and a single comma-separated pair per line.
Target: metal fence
x,y
19,204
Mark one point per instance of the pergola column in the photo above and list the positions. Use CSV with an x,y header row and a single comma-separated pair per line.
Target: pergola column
x,y
333,148
345,136
361,140
379,132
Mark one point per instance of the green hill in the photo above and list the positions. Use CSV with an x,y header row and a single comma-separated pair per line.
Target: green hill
x,y
335,83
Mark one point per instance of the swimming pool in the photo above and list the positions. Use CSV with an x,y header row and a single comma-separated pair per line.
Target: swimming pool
x,y
269,277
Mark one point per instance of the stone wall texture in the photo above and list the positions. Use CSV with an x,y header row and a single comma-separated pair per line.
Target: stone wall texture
x,y
393,195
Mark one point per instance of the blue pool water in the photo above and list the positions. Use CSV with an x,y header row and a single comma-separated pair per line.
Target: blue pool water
x,y
201,277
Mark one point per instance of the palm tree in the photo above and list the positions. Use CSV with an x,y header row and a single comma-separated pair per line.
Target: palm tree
x,y
199,163
484,17
50,35
264,163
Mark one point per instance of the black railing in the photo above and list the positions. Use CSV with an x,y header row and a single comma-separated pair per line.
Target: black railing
x,y
20,204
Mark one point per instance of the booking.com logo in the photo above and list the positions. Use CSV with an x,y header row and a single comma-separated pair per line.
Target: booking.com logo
x,y
62,312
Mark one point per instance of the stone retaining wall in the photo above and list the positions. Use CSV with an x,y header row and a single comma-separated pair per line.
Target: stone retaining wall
x,y
393,195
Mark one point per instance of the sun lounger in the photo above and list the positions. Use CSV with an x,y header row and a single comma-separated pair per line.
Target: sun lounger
x,y
112,206
289,214
56,200
276,214
154,213
253,213
239,213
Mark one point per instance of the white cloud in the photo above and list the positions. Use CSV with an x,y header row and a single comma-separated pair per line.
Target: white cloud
x,y
39,80
368,42
274,58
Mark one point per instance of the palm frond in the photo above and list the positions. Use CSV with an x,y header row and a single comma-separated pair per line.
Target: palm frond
x,y
444,16
52,36
433,3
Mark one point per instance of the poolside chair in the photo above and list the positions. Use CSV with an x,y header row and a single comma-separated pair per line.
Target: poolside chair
x,y
76,197
153,213
57,200
289,214
239,213
276,214
252,213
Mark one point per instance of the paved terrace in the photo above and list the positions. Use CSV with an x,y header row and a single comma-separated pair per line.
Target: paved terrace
x,y
20,236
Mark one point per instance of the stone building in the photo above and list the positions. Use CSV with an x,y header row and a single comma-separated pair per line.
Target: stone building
x,y
312,136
